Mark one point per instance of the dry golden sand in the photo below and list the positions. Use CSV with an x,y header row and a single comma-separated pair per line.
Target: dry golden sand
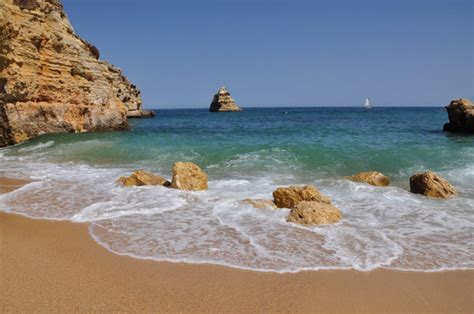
x,y
56,266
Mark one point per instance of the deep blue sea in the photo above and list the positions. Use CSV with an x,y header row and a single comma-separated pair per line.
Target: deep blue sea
x,y
247,155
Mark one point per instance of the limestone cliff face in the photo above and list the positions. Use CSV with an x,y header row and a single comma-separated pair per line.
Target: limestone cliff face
x,y
222,101
51,80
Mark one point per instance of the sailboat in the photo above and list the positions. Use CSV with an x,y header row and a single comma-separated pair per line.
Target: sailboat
x,y
367,104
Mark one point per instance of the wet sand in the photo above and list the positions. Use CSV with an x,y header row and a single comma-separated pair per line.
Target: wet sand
x,y
57,266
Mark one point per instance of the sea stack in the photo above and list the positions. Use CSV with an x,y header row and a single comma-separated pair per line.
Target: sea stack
x,y
461,116
223,102
52,81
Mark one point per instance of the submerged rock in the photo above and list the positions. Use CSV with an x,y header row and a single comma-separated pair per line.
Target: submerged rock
x,y
140,178
260,203
51,80
432,185
222,101
289,197
461,116
371,177
188,176
314,213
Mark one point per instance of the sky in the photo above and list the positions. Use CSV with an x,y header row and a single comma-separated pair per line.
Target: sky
x,y
286,53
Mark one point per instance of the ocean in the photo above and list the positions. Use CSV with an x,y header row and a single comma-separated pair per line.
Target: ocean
x,y
248,155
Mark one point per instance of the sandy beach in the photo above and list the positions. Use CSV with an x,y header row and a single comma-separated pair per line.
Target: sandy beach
x,y
52,265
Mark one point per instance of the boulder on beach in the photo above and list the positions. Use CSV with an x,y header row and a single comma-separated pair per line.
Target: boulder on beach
x,y
461,116
188,176
260,203
140,178
371,177
314,213
222,102
432,185
289,197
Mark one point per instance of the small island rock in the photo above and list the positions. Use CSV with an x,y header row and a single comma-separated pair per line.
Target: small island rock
x,y
461,116
188,176
260,203
371,177
314,213
289,197
432,185
140,178
222,101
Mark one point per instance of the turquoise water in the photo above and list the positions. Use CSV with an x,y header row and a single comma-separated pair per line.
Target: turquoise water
x,y
248,154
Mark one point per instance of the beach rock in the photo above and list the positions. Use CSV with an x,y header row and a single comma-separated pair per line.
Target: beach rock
x,y
188,176
371,177
222,101
260,203
432,185
140,178
314,213
51,80
289,197
461,116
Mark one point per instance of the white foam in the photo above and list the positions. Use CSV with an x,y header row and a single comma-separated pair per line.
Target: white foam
x,y
381,227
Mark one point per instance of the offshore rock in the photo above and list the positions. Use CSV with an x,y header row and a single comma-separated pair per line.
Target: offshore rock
x,y
140,178
188,176
432,185
314,213
371,177
461,116
51,80
222,102
289,197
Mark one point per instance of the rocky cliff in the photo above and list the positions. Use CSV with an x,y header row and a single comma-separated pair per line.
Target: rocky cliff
x,y
461,116
222,101
51,80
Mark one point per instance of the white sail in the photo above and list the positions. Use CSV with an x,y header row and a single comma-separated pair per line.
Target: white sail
x,y
367,103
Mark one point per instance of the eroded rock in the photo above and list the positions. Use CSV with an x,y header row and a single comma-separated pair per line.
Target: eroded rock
x,y
188,176
314,213
461,116
432,185
222,101
289,197
51,80
140,178
371,177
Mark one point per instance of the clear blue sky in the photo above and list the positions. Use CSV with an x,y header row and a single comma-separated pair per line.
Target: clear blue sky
x,y
293,53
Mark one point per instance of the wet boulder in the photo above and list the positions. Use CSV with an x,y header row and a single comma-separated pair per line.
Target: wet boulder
x,y
289,197
432,185
188,176
314,213
371,177
140,178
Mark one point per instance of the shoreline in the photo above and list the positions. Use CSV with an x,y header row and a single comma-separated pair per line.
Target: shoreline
x,y
57,265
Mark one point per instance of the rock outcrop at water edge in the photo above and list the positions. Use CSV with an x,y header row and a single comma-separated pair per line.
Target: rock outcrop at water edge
x,y
314,213
371,177
289,197
51,80
461,116
432,185
140,178
222,102
189,176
